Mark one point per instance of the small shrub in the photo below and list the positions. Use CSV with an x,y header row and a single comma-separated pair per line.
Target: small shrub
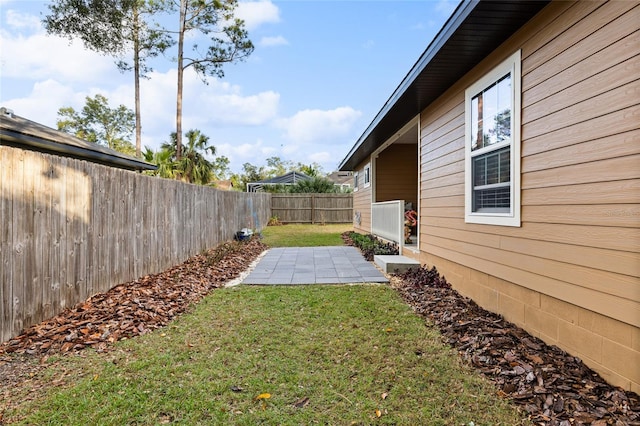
x,y
274,221
370,245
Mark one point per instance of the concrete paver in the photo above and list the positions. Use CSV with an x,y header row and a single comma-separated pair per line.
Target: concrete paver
x,y
314,265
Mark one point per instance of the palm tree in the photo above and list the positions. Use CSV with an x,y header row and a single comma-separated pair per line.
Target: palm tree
x,y
193,166
164,160
317,184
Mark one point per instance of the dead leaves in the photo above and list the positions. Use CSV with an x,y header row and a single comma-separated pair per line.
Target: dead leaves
x,y
552,387
137,307
301,403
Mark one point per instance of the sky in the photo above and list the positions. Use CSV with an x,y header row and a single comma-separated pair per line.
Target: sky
x,y
320,72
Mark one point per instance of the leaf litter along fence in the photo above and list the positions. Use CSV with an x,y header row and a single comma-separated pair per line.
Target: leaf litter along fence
x,y
70,229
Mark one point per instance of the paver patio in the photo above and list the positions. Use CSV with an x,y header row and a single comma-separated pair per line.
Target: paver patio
x,y
314,265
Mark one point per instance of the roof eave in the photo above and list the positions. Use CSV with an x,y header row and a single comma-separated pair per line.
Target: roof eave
x,y
13,138
402,105
462,10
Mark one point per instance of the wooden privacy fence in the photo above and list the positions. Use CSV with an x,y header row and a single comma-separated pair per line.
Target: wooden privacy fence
x,y
312,208
70,229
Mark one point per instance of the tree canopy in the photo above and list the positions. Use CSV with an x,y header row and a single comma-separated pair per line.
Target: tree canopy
x,y
118,28
315,185
275,166
228,43
195,165
99,123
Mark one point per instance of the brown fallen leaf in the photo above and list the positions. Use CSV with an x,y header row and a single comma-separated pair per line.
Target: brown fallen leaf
x,y
546,382
378,413
384,395
301,403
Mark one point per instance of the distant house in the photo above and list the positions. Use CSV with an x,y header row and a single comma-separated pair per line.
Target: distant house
x,y
342,179
516,138
290,178
26,134
223,185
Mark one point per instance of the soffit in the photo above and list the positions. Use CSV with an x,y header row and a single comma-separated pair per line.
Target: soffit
x,y
474,30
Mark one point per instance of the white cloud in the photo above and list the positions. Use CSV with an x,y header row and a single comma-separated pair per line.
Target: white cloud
x,y
256,13
315,126
235,109
290,149
218,104
273,41
239,154
320,157
38,56
43,102
16,20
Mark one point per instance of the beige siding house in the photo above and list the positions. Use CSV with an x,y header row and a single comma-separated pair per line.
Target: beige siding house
x,y
518,142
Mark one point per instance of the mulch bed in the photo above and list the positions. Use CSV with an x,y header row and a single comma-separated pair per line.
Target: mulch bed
x,y
125,311
137,307
549,385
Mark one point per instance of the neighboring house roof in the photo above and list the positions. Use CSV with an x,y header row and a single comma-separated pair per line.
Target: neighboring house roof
x,y
341,178
23,133
224,185
286,179
474,30
291,177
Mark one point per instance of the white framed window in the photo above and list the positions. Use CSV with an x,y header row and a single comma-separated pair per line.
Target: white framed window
x,y
355,181
367,175
492,146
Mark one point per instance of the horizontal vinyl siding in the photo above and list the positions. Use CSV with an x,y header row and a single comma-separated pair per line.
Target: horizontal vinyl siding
x,y
579,240
362,202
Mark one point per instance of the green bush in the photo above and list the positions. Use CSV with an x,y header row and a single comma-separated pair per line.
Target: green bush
x,y
370,245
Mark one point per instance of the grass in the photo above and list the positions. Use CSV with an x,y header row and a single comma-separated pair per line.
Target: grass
x,y
358,354
301,235
330,355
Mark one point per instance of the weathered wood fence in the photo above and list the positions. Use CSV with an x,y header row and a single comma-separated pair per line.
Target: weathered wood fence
x,y
312,208
70,229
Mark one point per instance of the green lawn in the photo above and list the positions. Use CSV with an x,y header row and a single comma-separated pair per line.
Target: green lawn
x,y
301,235
346,354
279,355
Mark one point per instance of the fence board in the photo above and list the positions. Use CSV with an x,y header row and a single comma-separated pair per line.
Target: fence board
x,y
70,229
17,253
6,220
312,208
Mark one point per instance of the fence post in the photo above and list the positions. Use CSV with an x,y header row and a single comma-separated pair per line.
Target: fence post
x,y
313,211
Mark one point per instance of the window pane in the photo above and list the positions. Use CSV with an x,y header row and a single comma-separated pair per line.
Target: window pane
x,y
479,171
505,166
503,116
492,200
493,169
491,181
474,123
489,113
